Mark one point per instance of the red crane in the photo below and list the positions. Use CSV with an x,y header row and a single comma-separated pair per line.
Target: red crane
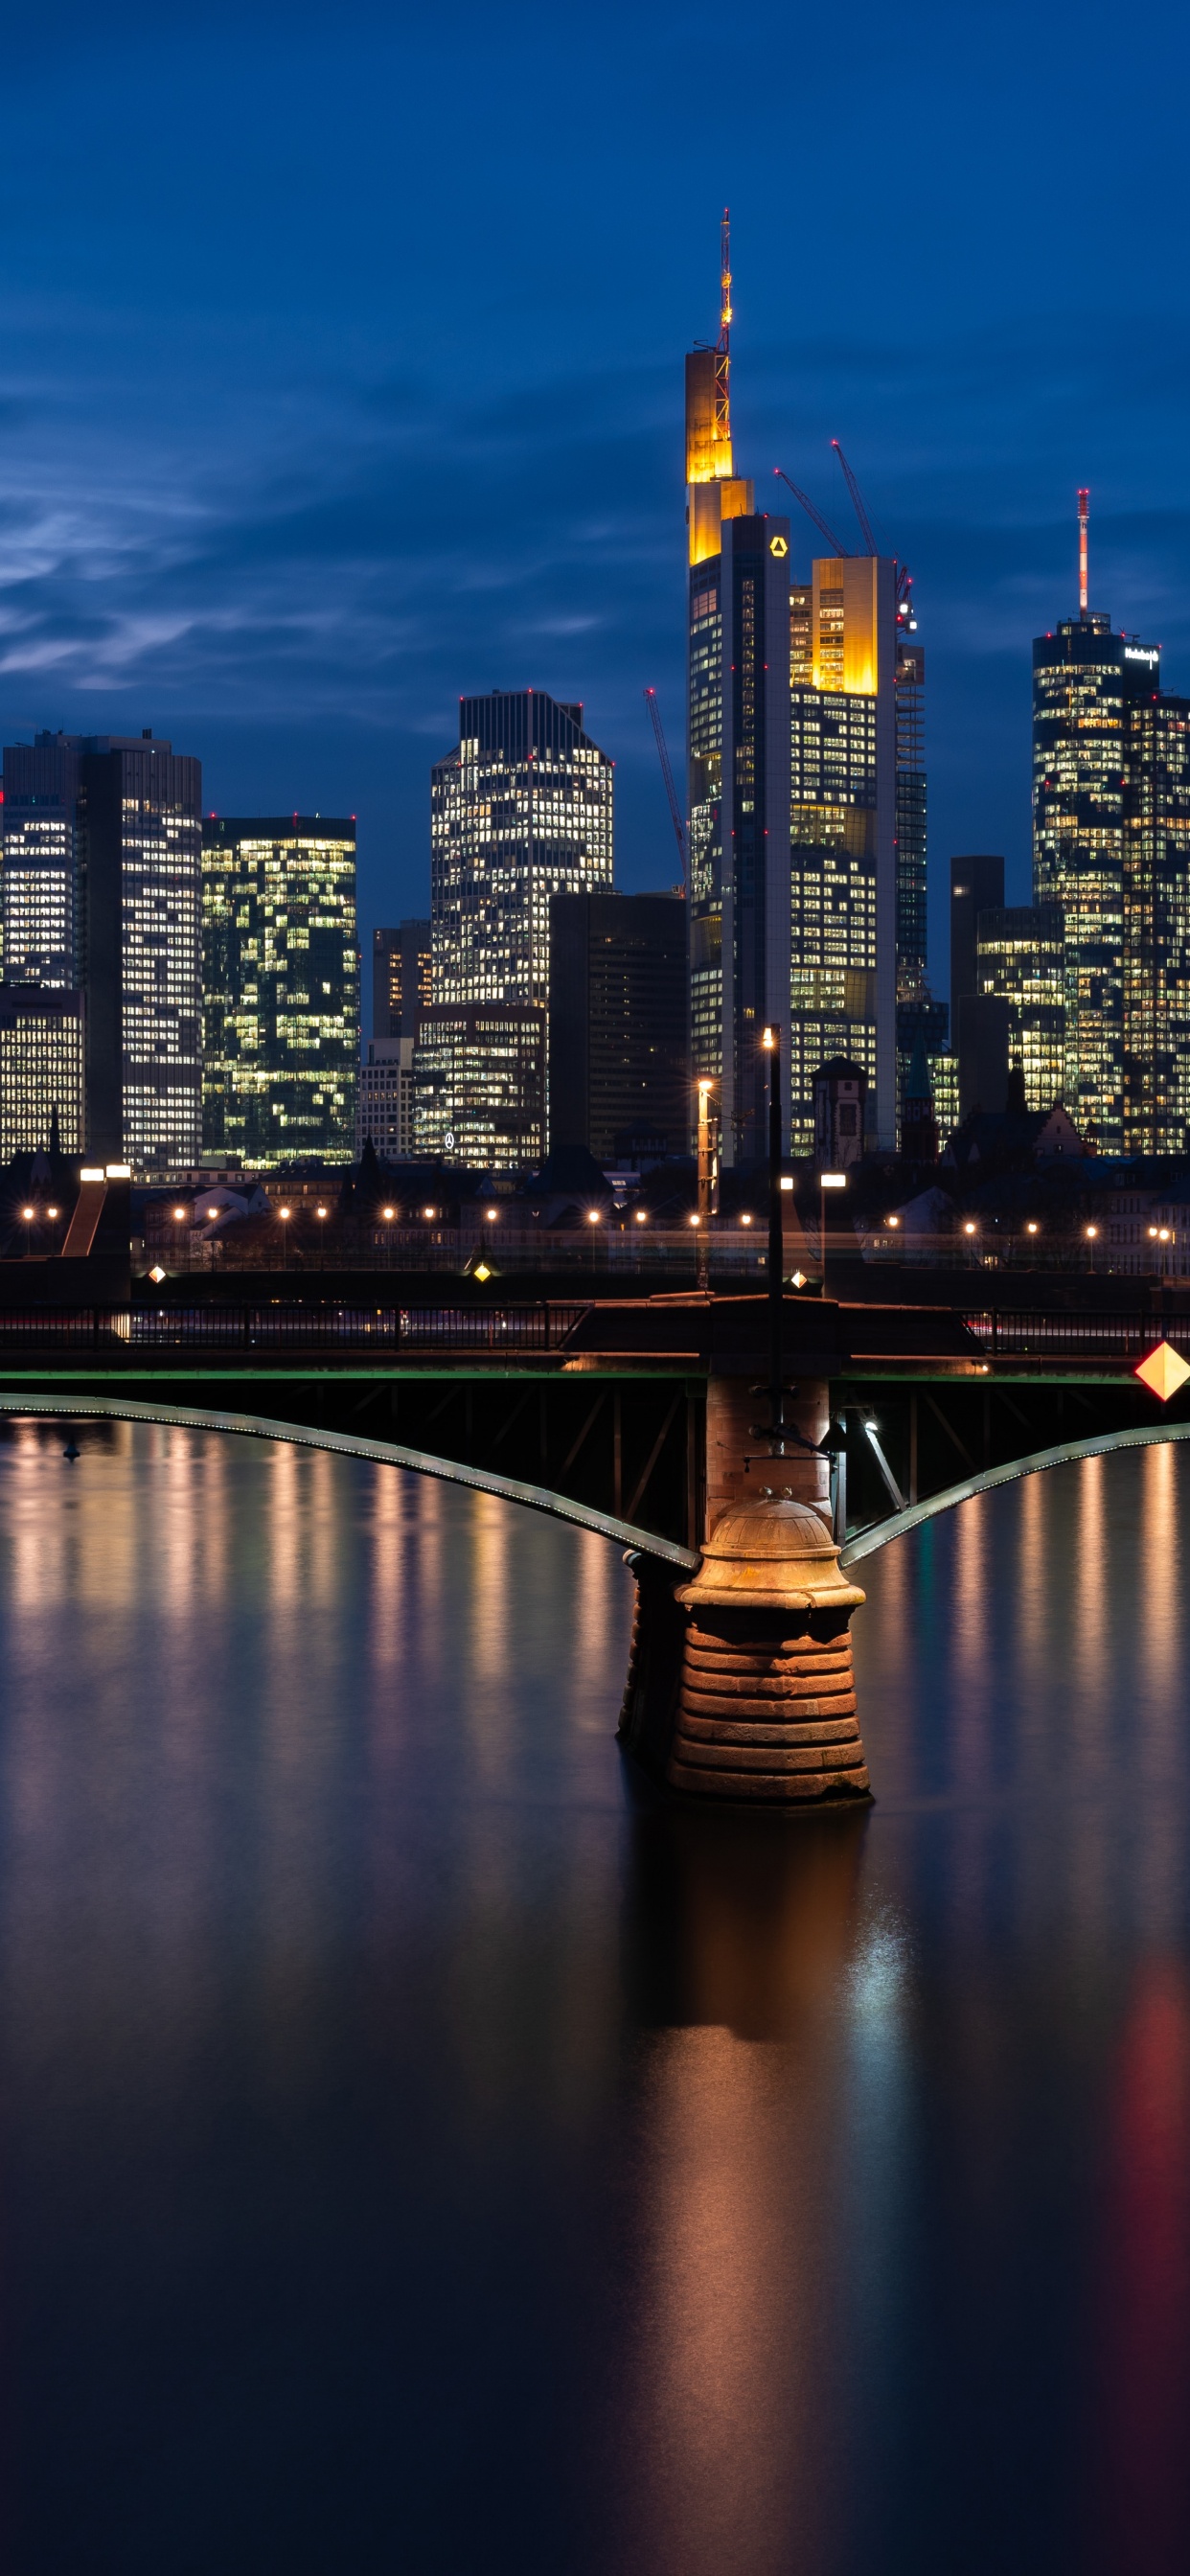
x,y
857,501
650,696
811,512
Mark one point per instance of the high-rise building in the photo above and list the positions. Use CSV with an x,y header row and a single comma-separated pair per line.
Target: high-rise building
x,y
843,817
1156,922
280,987
139,859
1080,689
519,812
976,886
41,1069
479,1085
910,802
1019,960
384,1113
738,756
39,874
402,983
617,1021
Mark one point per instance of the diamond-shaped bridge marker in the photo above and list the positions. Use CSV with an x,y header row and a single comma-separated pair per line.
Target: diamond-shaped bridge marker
x,y
1163,1370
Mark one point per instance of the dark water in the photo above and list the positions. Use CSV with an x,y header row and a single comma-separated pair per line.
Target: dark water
x,y
416,2154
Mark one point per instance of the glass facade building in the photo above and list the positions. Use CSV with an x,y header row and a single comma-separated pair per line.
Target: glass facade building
x,y
1020,960
281,1001
1078,856
617,1022
1157,925
384,1112
521,811
843,851
140,893
480,1086
41,1069
39,871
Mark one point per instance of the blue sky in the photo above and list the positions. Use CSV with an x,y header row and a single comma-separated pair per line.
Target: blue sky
x,y
342,368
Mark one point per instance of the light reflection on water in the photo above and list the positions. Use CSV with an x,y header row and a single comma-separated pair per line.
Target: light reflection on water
x,y
419,2147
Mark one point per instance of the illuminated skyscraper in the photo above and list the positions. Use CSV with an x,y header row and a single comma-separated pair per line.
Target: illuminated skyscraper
x,y
139,850
1156,923
738,756
41,1069
843,810
519,812
1078,855
39,878
402,980
280,988
1019,959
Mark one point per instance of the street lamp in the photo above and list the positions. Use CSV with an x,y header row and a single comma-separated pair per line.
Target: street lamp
x,y
28,1214
284,1215
827,1181
321,1214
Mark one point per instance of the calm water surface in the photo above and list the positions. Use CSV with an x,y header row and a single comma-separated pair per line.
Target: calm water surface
x,y
419,2152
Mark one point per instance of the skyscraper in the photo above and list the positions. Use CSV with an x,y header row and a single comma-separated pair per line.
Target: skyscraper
x,y
1156,921
401,978
1079,753
39,876
738,755
1019,960
139,853
520,811
843,811
617,1021
41,1069
280,987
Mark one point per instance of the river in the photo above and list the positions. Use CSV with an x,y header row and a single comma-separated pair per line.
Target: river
x,y
421,2151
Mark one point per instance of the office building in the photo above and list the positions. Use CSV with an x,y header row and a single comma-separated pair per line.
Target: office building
x,y
910,677
39,869
1156,923
41,1069
1080,689
976,886
139,838
384,1112
520,811
1019,960
401,978
738,757
480,1085
617,1062
281,1035
843,834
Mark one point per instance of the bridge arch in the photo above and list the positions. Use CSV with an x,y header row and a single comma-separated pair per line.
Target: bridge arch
x,y
898,1524
383,1453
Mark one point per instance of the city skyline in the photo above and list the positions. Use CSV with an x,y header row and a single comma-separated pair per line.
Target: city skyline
x,y
397,485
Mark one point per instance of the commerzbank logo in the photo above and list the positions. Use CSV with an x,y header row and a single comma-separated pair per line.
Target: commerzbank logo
x,y
778,546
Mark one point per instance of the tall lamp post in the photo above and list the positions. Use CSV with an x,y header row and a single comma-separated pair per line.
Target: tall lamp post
x,y
705,1184
771,1043
827,1181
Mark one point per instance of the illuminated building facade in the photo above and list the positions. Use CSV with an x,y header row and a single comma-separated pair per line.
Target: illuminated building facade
x,y
617,1022
521,811
1157,924
384,1113
39,877
910,804
41,1069
402,981
140,888
480,1085
1078,856
737,758
843,845
1020,960
281,1003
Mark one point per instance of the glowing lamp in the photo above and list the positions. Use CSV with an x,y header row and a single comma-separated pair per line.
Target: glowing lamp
x,y
829,1181
388,1214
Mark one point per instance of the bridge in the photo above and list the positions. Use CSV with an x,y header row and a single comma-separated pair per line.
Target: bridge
x,y
632,1415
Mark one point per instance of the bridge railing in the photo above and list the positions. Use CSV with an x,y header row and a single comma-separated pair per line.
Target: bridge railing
x,y
540,1327
1039,1335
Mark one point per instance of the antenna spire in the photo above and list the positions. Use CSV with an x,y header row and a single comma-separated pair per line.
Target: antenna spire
x,y
1084,513
723,343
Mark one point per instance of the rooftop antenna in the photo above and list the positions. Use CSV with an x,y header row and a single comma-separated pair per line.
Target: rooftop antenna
x,y
723,343
1084,512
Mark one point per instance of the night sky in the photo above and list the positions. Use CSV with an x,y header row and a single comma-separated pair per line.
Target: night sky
x,y
342,369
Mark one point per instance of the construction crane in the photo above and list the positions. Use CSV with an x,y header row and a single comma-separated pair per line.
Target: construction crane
x,y
857,501
650,697
811,512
